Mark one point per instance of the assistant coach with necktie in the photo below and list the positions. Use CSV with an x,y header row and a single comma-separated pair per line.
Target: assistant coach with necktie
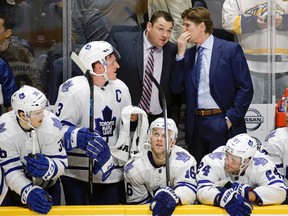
x,y
136,49
216,106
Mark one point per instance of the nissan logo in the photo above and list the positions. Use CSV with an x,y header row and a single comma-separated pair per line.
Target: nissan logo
x,y
253,119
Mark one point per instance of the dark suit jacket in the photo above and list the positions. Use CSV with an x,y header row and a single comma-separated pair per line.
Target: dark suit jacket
x,y
130,46
230,84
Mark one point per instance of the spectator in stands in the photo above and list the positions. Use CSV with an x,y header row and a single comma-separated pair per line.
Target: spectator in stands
x,y
249,20
19,58
7,86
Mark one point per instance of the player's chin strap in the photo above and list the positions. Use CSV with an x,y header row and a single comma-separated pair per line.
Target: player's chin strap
x,y
242,168
104,74
27,122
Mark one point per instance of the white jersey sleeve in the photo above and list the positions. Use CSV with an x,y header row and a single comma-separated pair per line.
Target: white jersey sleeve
x,y
183,174
210,171
276,149
135,187
266,181
3,186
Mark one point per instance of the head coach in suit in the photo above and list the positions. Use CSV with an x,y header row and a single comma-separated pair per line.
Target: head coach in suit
x,y
215,109
134,48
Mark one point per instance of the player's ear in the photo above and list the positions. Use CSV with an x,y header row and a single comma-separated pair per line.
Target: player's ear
x,y
21,114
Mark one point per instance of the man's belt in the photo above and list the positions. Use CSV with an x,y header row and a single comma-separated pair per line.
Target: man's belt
x,y
207,112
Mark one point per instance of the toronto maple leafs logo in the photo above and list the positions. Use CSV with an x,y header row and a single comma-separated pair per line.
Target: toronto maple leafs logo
x,y
2,127
271,135
182,156
66,86
128,166
107,125
57,123
216,155
260,161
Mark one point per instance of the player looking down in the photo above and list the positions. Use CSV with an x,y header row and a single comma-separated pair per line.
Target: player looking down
x,y
145,173
250,177
73,108
32,154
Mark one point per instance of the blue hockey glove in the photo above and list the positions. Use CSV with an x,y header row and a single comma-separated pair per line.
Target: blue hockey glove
x,y
77,138
164,202
36,198
242,189
99,150
234,203
40,166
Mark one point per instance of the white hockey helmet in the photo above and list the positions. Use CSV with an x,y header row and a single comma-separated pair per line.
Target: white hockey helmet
x,y
159,123
96,51
28,99
242,145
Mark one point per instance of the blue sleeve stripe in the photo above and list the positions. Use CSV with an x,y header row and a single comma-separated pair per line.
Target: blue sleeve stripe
x,y
13,169
276,181
188,185
63,122
12,160
57,156
205,182
279,165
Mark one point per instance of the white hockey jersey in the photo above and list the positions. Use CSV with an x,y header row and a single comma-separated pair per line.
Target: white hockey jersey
x,y
143,178
240,17
261,174
15,143
276,149
72,107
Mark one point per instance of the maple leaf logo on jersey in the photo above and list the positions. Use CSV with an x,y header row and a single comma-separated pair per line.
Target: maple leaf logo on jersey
x,y
2,127
217,155
66,86
260,161
182,156
272,134
57,123
107,125
128,166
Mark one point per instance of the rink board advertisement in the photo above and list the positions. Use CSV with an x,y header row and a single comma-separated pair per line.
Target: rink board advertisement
x,y
260,120
137,210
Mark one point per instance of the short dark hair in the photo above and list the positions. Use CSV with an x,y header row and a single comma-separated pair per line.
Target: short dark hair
x,y
198,15
158,14
8,22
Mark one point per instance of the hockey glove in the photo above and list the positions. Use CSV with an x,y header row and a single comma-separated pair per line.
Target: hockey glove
x,y
77,138
164,202
234,203
40,166
36,198
99,150
242,189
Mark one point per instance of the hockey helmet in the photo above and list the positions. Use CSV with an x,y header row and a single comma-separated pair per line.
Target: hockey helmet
x,y
242,145
28,99
159,123
96,51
